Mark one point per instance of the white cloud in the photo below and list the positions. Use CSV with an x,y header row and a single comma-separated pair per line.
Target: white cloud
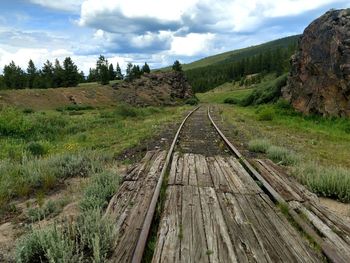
x,y
133,16
191,44
64,5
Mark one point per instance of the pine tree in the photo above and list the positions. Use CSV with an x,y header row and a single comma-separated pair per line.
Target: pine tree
x,y
2,82
58,74
177,66
102,70
70,73
128,76
112,74
47,74
118,72
31,73
145,68
14,77
92,77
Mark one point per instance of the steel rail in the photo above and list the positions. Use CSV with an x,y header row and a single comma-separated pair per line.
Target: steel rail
x,y
141,243
328,251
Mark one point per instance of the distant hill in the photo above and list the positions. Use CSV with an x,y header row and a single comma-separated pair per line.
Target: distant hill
x,y
236,55
271,57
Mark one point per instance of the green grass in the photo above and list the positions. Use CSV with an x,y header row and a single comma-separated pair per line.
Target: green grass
x,y
324,141
227,90
289,137
40,149
259,145
332,182
282,155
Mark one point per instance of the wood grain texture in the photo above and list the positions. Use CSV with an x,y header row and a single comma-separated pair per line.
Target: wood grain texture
x,y
218,214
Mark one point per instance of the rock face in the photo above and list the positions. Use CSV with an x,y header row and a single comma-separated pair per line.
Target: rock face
x,y
319,82
166,88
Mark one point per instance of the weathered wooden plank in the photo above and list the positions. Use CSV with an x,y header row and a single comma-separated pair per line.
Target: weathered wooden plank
x,y
185,170
192,175
338,242
341,227
219,179
203,174
278,182
248,246
170,232
129,207
172,173
233,181
292,240
263,230
246,179
220,247
193,243
138,171
179,171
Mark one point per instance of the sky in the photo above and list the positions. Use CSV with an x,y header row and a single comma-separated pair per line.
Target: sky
x,y
153,31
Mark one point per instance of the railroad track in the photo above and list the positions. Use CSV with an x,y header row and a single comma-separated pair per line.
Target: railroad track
x,y
214,211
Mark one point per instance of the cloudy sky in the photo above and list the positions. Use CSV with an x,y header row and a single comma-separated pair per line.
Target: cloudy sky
x,y
156,31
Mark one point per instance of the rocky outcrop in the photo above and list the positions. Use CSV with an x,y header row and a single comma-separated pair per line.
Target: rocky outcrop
x,y
166,88
319,82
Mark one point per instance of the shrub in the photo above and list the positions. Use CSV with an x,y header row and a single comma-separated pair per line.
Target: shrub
x,y
283,105
266,114
192,101
259,145
282,155
50,244
266,92
232,101
90,239
332,182
75,107
126,111
101,189
96,235
28,110
51,208
22,179
68,165
36,149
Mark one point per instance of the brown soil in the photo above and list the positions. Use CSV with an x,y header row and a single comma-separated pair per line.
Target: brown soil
x,y
341,209
42,99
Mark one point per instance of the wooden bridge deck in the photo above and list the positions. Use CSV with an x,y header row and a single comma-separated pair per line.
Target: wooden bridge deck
x,y
215,212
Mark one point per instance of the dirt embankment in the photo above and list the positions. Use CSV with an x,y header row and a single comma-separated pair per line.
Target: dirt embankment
x,y
153,89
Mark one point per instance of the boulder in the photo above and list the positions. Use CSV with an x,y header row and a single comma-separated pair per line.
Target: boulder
x,y
319,82
162,88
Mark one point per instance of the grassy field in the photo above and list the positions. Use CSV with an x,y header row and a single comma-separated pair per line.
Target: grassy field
x,y
39,149
317,149
42,150
227,90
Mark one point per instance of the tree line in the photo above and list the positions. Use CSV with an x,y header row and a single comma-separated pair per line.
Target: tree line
x,y
104,72
272,60
65,75
49,76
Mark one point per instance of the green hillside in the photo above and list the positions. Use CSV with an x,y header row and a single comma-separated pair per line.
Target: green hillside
x,y
239,54
271,57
